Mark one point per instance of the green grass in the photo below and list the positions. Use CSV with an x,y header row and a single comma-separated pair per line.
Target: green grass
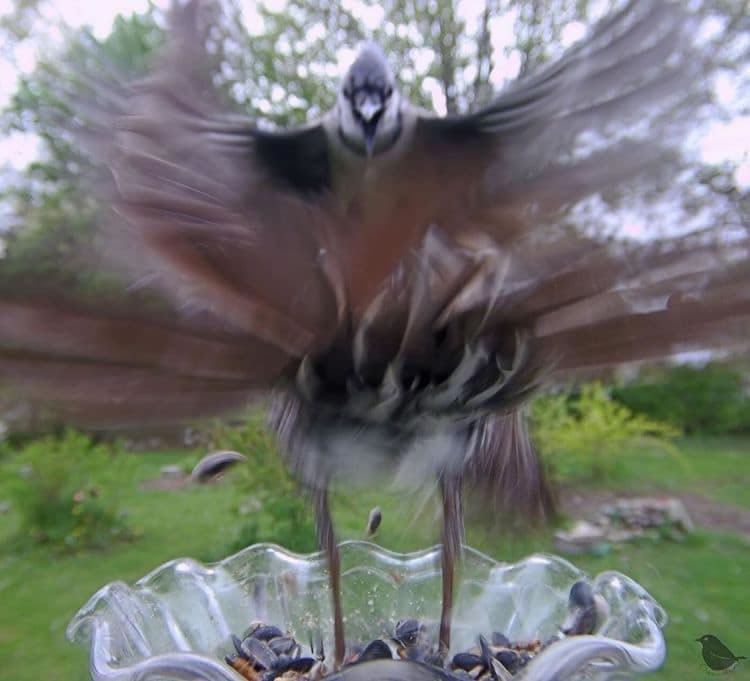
x,y
702,582
714,467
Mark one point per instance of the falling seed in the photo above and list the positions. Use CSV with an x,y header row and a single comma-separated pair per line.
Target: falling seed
x,y
214,464
373,521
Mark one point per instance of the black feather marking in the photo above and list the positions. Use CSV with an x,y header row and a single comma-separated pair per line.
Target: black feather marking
x,y
297,158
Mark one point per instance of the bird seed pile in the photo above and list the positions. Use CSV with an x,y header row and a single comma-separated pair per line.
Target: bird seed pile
x,y
265,653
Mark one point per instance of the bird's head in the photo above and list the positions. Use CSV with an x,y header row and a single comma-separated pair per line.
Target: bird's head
x,y
706,638
368,104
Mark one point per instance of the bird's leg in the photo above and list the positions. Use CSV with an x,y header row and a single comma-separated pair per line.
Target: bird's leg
x,y
450,489
327,543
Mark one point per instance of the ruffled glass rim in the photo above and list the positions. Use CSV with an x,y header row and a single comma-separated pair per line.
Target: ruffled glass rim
x,y
177,621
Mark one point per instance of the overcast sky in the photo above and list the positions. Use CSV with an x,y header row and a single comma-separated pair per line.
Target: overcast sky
x,y
725,141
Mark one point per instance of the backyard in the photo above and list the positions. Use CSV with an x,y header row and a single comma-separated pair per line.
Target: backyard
x,y
40,590
160,260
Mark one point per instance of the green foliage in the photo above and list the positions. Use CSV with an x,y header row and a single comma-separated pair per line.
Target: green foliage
x,y
271,507
53,212
708,400
65,490
538,30
584,435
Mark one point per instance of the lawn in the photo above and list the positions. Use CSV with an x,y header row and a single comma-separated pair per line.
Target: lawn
x,y
716,468
702,582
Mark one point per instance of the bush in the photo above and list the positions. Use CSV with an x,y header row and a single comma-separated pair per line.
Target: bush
x,y
273,508
65,491
708,400
585,434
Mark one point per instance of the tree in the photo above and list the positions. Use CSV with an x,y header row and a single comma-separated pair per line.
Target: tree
x,y
53,212
282,68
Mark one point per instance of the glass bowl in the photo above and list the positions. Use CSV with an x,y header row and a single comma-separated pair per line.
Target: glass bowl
x,y
177,621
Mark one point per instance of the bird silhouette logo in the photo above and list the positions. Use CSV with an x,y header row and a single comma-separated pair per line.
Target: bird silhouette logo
x,y
716,655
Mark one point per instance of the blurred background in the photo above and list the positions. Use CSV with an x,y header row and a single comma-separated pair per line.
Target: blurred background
x,y
650,463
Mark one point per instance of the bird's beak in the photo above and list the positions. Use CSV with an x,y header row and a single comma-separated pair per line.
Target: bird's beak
x,y
370,107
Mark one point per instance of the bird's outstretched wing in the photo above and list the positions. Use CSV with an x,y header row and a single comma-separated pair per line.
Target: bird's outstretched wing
x,y
611,112
594,117
208,225
607,118
107,367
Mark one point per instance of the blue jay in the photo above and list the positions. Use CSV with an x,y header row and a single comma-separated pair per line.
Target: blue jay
x,y
398,283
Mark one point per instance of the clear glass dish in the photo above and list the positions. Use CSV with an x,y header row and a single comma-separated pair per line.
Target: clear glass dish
x,y
177,621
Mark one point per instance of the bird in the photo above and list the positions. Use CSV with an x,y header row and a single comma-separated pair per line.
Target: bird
x,y
396,285
716,655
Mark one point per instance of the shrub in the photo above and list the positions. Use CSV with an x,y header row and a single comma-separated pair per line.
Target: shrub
x,y
273,508
584,434
65,490
707,400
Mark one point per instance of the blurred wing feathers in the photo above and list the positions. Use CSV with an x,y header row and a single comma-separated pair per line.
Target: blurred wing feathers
x,y
610,109
102,369
200,222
